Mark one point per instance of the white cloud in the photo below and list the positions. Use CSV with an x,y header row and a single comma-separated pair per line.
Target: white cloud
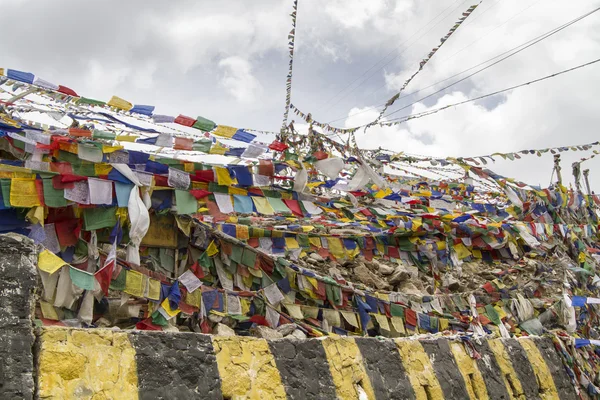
x,y
238,79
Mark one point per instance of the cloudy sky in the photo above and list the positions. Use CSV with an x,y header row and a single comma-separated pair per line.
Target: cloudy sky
x,y
228,60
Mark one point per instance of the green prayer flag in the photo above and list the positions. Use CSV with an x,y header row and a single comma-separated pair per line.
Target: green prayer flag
x,y
84,169
303,240
186,203
82,279
98,134
98,218
5,185
159,319
236,254
53,197
205,261
85,100
279,206
216,188
492,314
202,145
396,310
249,258
204,124
119,282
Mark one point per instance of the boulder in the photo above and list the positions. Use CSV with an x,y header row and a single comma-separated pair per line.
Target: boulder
x,y
223,330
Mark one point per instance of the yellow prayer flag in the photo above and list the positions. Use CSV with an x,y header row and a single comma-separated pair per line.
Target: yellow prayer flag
x,y
315,241
336,247
223,177
110,149
313,281
461,251
236,190
48,311
225,131
212,249
134,283
294,311
242,232
102,168
443,322
263,206
194,299
49,262
23,193
382,321
291,243
153,289
118,102
218,148
37,215
127,138
307,228
477,253
398,325
188,167
167,307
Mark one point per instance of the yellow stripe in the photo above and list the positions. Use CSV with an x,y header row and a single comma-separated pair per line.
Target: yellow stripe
x,y
511,380
419,369
542,373
471,374
86,363
247,369
347,368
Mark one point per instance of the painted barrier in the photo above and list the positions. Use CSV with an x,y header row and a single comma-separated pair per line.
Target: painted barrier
x,y
105,364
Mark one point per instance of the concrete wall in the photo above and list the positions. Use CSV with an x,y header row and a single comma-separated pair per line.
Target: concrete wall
x,y
154,365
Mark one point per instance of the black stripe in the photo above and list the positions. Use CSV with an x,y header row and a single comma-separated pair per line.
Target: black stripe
x,y
446,370
490,371
175,366
563,383
522,367
385,369
303,368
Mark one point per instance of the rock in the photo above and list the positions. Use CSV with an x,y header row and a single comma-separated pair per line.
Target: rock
x,y
400,274
286,329
385,269
215,318
362,274
265,332
298,334
223,330
316,257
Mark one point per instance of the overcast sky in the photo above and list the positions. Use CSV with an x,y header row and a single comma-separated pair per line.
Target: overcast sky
x,y
227,61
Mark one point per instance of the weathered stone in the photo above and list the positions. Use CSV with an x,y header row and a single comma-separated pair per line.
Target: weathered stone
x,y
18,280
265,332
298,334
446,370
286,329
303,369
385,269
316,257
175,366
362,274
223,330
385,369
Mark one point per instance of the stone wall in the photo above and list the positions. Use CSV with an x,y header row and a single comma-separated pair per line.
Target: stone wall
x,y
76,363
18,282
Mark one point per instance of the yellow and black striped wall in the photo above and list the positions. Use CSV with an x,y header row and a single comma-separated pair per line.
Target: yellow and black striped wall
x,y
107,364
